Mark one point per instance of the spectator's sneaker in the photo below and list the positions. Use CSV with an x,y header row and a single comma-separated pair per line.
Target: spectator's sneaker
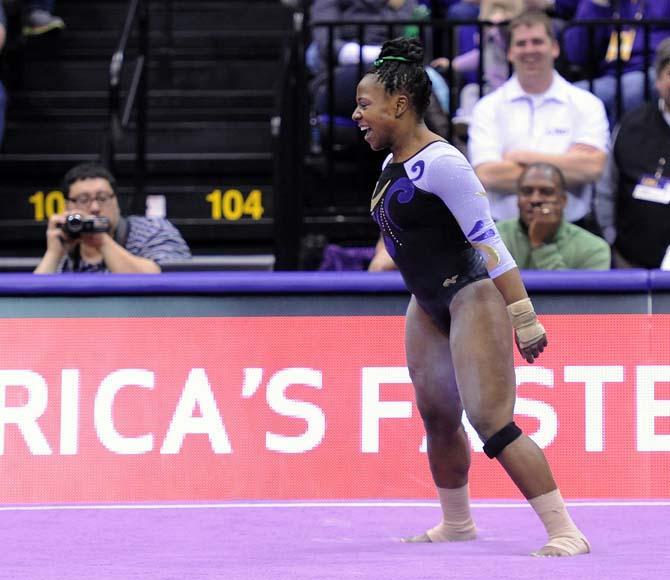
x,y
40,21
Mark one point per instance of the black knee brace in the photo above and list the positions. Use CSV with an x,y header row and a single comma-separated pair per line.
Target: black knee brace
x,y
496,443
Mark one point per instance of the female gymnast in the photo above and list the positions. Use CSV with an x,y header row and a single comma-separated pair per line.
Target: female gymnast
x,y
466,289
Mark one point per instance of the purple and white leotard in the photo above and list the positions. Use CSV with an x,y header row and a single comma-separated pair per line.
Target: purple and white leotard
x,y
436,224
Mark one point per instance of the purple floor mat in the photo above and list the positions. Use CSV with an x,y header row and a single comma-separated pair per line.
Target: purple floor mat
x,y
322,542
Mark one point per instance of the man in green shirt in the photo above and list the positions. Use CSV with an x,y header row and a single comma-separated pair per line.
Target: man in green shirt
x,y
541,239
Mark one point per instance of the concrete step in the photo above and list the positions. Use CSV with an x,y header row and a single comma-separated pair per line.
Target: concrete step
x,y
164,104
164,137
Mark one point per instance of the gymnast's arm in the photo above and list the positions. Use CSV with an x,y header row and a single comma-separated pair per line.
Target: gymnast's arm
x,y
452,178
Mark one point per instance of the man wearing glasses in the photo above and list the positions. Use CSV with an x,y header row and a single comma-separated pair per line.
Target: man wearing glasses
x,y
133,244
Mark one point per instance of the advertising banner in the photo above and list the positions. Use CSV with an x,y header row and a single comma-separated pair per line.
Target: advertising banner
x,y
240,408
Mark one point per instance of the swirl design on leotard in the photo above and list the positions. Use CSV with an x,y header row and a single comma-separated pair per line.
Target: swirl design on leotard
x,y
403,190
419,167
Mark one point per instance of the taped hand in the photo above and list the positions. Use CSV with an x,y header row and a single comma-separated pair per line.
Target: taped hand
x,y
530,335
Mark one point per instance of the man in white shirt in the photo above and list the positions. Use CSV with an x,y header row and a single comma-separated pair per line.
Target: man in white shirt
x,y
538,117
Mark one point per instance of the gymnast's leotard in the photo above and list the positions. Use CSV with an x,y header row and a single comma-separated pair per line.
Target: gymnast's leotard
x,y
436,225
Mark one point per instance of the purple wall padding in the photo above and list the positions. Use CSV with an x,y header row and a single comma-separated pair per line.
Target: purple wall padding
x,y
302,282
587,281
659,280
201,283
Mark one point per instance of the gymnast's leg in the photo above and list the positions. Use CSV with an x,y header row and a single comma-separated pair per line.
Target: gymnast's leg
x,y
482,355
432,373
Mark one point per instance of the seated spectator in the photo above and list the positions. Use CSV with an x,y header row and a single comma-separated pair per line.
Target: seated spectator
x,y
133,244
3,93
609,48
538,117
463,10
633,196
561,9
466,35
496,67
346,41
381,260
38,17
317,254
541,239
347,51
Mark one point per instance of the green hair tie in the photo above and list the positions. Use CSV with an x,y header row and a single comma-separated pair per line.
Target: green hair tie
x,y
381,61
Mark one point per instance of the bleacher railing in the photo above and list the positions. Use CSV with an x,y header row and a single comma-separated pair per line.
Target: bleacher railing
x,y
136,98
288,140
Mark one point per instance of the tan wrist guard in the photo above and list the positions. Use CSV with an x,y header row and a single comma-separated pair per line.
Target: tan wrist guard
x,y
524,320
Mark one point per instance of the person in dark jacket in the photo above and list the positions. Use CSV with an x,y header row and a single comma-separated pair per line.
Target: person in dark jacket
x,y
633,196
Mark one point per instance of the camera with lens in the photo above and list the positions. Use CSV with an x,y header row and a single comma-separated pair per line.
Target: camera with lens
x,y
76,224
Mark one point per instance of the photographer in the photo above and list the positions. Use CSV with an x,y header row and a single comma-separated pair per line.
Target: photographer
x,y
92,236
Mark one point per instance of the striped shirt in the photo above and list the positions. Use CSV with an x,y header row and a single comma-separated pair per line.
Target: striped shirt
x,y
152,238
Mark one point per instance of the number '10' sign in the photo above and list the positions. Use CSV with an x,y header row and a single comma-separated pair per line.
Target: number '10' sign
x,y
46,205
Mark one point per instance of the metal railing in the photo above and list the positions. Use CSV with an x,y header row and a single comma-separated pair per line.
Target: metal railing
x,y
288,138
136,97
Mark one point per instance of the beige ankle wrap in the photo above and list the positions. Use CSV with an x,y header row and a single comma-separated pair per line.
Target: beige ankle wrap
x,y
456,524
565,539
